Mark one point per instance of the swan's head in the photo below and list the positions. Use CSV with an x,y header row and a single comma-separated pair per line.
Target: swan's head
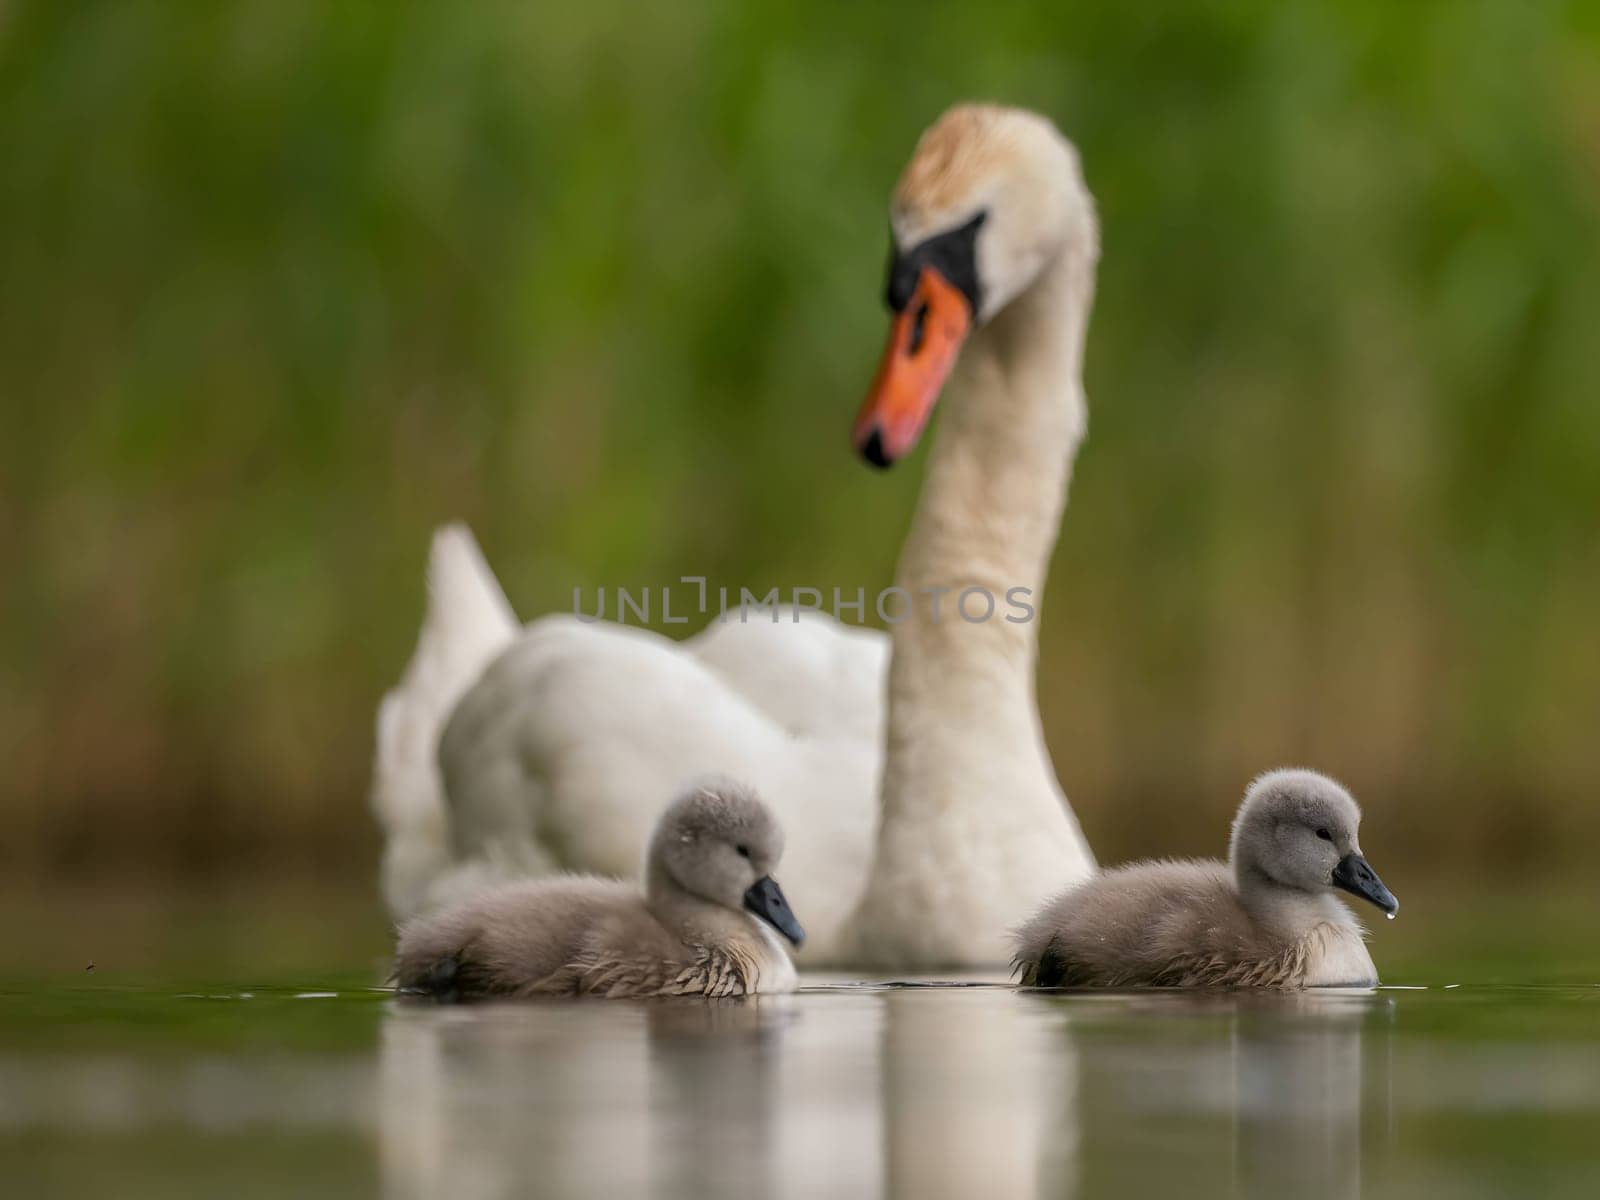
x,y
1299,830
719,842
990,197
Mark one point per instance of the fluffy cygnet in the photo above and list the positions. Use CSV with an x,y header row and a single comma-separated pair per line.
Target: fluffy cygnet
x,y
1266,918
704,926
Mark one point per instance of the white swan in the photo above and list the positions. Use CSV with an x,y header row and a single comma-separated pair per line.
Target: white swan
x,y
555,754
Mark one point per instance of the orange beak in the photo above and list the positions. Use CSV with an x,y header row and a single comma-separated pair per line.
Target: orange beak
x,y
924,340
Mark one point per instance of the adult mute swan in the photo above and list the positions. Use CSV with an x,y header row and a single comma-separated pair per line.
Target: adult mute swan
x,y
506,753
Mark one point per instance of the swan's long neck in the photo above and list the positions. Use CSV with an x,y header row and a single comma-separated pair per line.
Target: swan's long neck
x,y
975,832
962,692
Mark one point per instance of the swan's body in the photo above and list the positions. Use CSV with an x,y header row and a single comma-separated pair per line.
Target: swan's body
x,y
694,933
553,754
549,759
1267,918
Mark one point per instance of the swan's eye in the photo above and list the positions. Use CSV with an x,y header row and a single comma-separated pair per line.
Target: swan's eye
x,y
744,851
1325,835
919,329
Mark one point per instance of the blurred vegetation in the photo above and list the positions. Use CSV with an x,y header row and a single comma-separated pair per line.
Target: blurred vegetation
x,y
285,283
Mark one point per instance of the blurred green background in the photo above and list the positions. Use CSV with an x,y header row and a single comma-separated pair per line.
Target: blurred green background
x,y
285,283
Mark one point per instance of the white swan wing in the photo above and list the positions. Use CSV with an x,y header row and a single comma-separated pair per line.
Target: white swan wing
x,y
468,621
563,753
807,671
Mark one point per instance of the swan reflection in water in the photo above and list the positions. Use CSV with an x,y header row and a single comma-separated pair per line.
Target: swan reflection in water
x,y
851,1091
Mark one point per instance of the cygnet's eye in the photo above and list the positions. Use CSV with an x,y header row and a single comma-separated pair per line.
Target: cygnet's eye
x,y
1325,835
744,851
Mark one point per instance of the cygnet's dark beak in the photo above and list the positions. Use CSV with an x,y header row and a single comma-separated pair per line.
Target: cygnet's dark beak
x,y
765,899
1356,877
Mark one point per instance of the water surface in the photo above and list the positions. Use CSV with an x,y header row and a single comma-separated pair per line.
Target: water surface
x,y
841,1090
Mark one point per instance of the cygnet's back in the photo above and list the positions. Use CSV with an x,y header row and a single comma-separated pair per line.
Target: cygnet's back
x,y
1267,918
516,938
1153,924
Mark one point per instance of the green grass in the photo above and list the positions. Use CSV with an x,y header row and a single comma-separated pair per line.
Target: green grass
x,y
284,283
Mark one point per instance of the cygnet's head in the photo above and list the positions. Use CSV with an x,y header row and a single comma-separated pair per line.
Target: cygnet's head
x,y
990,197
719,842
1299,830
